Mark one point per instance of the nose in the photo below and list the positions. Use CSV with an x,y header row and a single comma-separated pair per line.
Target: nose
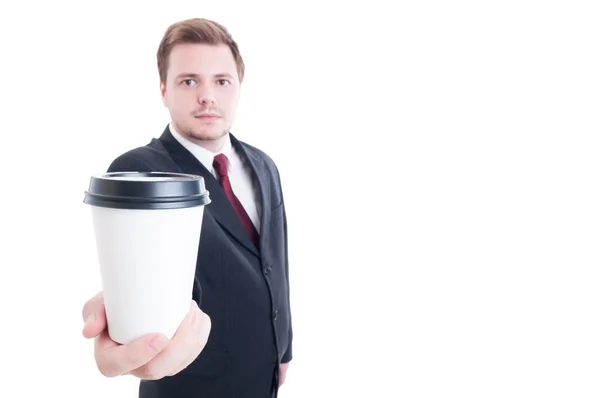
x,y
205,95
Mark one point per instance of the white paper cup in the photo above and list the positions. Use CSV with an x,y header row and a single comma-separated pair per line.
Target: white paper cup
x,y
147,228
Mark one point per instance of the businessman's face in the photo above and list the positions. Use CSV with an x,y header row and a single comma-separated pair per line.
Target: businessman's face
x,y
201,90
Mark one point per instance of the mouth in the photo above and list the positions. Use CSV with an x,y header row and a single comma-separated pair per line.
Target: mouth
x,y
208,116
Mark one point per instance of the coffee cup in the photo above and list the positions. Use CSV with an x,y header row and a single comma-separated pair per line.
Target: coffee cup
x,y
147,231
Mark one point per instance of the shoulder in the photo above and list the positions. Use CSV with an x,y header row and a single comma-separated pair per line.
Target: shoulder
x,y
269,168
260,154
143,158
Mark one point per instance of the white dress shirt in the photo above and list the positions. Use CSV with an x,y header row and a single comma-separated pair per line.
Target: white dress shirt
x,y
239,173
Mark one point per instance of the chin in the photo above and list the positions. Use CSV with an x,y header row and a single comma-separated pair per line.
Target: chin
x,y
208,134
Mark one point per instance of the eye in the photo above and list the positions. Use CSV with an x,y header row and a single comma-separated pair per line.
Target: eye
x,y
189,82
223,82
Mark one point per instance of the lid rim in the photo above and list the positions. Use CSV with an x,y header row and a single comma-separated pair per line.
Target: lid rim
x,y
182,176
147,199
144,206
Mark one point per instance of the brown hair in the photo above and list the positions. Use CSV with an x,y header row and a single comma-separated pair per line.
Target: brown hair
x,y
196,31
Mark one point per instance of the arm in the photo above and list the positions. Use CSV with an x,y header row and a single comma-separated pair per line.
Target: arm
x,y
153,356
287,356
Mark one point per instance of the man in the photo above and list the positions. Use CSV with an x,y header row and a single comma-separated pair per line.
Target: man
x,y
238,341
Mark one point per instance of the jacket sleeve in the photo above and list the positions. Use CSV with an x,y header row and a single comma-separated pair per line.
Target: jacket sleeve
x,y
287,356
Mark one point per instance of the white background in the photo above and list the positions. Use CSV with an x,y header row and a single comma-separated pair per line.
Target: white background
x,y
440,165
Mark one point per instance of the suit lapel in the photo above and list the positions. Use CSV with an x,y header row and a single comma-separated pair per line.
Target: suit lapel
x,y
263,182
220,207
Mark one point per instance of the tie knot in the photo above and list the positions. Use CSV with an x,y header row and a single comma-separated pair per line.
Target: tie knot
x,y
220,165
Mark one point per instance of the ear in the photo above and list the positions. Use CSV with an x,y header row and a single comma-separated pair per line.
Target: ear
x,y
163,93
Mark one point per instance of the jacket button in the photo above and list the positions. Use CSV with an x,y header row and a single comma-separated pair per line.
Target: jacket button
x,y
267,269
275,314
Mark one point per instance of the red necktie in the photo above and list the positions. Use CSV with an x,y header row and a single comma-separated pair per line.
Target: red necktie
x,y
220,165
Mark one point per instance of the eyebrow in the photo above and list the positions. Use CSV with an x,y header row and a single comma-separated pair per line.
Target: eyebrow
x,y
195,76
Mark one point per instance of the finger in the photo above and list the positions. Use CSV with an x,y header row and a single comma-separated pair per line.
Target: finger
x,y
188,341
185,345
115,359
282,372
192,355
94,316
92,305
103,342
206,325
281,378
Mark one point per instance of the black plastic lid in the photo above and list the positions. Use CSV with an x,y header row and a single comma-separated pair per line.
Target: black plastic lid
x,y
146,190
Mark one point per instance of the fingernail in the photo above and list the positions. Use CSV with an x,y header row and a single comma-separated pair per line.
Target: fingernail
x,y
90,318
158,343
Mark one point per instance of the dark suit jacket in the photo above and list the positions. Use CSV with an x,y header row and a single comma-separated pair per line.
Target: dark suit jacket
x,y
244,289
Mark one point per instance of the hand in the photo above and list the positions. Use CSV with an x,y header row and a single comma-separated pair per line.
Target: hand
x,y
283,368
152,356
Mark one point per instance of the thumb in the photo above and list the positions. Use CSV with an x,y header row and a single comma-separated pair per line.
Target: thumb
x,y
94,317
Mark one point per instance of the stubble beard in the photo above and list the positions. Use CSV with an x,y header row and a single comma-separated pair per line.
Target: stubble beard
x,y
208,137
205,135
